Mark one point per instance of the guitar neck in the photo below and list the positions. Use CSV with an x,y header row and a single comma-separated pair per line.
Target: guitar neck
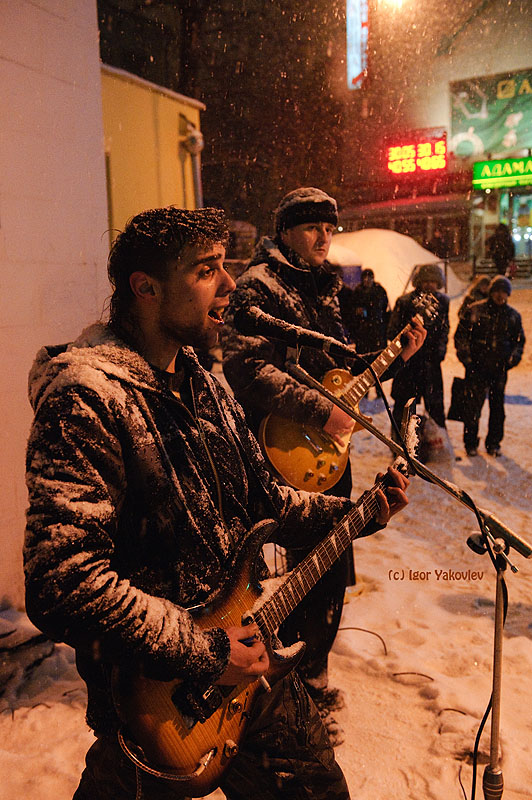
x,y
303,577
359,386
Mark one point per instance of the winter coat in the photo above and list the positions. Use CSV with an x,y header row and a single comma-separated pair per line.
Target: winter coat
x,y
501,248
364,314
125,527
473,296
281,284
490,338
435,345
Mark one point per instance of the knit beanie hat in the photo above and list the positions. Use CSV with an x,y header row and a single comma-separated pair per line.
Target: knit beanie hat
x,y
427,272
500,282
305,204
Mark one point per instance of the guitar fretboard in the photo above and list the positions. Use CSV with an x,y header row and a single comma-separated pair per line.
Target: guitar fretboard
x,y
303,577
357,388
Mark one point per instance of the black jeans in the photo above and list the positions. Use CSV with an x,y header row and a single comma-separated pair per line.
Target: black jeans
x,y
477,385
285,755
427,386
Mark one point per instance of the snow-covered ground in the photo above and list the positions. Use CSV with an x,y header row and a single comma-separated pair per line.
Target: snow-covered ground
x,y
417,677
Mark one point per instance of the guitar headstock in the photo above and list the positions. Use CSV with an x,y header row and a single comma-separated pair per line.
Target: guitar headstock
x,y
426,305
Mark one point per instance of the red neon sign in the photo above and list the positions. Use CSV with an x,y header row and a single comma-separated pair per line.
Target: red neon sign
x,y
417,157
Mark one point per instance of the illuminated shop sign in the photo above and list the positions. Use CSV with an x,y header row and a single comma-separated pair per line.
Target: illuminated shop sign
x,y
491,114
357,42
418,156
502,172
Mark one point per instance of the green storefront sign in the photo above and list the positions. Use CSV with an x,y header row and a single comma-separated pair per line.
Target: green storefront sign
x,y
491,116
503,172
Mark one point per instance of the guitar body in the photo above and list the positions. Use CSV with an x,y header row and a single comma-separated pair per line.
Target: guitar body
x,y
188,733
304,456
158,716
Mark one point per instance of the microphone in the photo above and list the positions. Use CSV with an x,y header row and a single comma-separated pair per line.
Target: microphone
x,y
252,321
498,528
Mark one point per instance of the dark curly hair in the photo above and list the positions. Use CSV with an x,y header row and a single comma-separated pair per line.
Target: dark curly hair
x,y
150,241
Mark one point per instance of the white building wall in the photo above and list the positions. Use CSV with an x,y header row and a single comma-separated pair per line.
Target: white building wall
x,y
53,219
496,41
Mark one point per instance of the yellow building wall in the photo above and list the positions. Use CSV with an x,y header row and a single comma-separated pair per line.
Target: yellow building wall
x,y
147,164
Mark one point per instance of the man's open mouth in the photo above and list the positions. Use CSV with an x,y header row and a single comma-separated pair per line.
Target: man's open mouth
x,y
216,315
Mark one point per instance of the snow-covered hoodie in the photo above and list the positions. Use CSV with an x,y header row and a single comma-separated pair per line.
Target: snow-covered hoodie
x,y
124,527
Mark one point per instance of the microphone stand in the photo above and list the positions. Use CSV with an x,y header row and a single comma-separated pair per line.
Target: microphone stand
x,y
496,539
492,780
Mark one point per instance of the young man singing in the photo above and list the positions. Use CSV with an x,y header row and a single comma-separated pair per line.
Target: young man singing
x,y
144,481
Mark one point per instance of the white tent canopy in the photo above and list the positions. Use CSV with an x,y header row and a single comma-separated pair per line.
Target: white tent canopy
x,y
391,255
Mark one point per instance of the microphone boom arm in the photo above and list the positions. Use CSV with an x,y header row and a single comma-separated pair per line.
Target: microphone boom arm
x,y
495,526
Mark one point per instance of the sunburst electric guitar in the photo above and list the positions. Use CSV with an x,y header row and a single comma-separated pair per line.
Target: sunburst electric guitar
x,y
304,455
187,732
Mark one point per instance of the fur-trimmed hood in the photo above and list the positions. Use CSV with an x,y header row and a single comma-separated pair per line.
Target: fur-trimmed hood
x,y
96,352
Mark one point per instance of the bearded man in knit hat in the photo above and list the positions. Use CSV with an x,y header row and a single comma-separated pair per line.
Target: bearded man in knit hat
x,y
290,278
489,341
422,376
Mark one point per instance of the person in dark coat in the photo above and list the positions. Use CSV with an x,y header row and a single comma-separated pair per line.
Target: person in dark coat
x,y
365,313
144,483
439,244
290,278
501,248
477,290
422,376
489,341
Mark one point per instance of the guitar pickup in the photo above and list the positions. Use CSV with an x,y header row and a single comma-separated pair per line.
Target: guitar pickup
x,y
316,448
197,706
329,440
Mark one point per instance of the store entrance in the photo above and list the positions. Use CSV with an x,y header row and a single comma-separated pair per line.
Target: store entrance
x,y
517,208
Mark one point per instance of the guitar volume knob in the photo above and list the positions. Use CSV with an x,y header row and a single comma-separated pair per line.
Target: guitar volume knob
x,y
321,478
230,748
320,463
235,706
308,475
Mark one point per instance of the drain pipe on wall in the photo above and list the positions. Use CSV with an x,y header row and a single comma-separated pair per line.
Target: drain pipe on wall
x,y
193,144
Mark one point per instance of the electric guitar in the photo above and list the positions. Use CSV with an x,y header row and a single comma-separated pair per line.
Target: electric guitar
x,y
304,455
187,732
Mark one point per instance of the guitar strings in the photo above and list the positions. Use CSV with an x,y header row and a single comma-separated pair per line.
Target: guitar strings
x,y
353,397
310,570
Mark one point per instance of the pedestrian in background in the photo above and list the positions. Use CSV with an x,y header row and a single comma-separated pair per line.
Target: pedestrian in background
x,y
501,248
478,290
489,341
365,313
439,244
421,376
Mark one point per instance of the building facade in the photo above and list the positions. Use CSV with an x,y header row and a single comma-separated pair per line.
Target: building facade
x,y
152,146
455,78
